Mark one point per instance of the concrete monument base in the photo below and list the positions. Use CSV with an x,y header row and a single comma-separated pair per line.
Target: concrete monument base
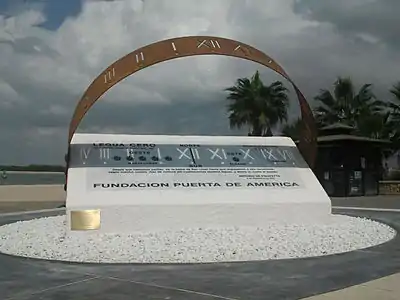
x,y
127,183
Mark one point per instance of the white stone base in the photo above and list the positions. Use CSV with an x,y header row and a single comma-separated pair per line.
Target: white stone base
x,y
45,238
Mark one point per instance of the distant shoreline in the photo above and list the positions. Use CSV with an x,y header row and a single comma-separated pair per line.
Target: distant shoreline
x,y
33,172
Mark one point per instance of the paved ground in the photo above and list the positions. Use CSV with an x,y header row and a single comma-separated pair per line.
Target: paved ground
x,y
386,288
27,279
371,201
386,202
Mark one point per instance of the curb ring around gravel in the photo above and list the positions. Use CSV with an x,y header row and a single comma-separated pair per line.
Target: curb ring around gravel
x,y
394,227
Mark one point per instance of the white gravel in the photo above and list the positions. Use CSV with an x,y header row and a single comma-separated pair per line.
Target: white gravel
x,y
45,238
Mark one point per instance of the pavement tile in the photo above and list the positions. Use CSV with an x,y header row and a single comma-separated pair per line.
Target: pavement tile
x,y
19,279
386,288
109,289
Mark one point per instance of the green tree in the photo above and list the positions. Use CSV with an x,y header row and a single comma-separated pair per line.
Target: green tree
x,y
386,124
377,126
256,106
394,109
394,104
293,129
396,92
346,105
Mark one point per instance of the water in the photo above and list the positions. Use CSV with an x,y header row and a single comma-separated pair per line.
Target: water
x,y
32,178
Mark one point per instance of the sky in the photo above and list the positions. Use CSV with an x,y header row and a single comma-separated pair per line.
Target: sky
x,y
50,51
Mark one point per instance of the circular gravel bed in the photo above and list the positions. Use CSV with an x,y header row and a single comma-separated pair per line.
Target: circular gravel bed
x,y
45,238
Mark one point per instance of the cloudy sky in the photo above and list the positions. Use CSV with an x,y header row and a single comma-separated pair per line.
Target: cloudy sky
x,y
51,50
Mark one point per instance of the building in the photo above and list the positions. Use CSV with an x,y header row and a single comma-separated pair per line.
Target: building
x,y
347,164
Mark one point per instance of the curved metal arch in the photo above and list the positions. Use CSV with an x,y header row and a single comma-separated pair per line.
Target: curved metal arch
x,y
190,46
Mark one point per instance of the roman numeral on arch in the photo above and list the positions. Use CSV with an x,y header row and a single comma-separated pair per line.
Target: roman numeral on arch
x,y
139,57
109,75
244,50
211,44
174,47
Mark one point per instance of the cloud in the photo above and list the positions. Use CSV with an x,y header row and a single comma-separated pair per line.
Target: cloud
x,y
44,72
371,20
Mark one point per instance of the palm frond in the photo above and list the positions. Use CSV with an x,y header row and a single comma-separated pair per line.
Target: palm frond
x,y
251,103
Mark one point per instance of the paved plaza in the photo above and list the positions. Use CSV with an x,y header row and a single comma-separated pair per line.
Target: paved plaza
x,y
363,274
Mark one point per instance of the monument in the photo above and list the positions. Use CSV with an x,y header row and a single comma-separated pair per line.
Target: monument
x,y
134,183
189,199
120,183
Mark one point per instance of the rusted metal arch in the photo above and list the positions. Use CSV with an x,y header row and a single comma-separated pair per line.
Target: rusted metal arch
x,y
190,46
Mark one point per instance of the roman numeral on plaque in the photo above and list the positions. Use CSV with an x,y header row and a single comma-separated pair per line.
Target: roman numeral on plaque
x,y
104,153
85,153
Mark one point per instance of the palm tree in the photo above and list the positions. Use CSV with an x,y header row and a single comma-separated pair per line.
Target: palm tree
x,y
257,106
377,126
293,129
345,105
396,91
394,109
386,123
394,105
